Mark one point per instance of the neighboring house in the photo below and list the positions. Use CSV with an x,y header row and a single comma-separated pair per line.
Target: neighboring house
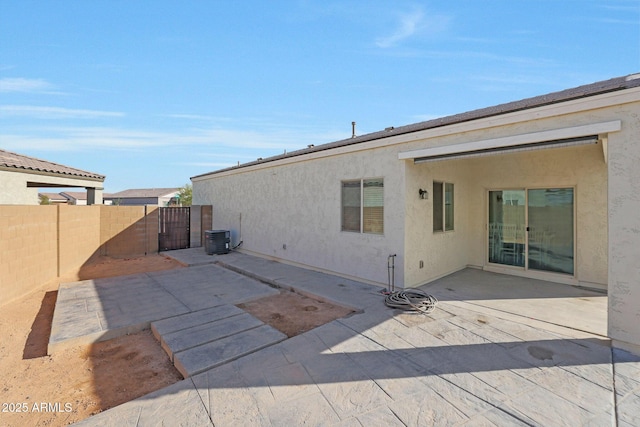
x,y
75,197
21,177
546,187
53,198
145,196
66,198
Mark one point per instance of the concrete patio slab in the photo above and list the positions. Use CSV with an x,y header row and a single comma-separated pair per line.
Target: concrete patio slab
x,y
101,309
186,409
194,318
465,364
209,285
198,359
207,332
573,307
191,257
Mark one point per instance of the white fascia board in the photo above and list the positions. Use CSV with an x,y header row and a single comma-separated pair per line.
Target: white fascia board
x,y
515,140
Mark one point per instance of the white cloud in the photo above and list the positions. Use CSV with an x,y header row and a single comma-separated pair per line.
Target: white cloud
x,y
413,24
19,84
54,112
196,117
76,139
211,165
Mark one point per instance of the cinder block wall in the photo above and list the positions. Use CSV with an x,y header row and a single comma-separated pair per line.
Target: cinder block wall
x,y
79,235
152,230
206,220
28,249
41,243
128,230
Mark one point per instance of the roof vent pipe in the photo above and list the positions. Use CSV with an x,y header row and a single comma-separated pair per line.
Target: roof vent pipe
x,y
353,129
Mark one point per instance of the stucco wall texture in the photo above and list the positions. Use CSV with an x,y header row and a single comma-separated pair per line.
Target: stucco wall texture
x,y
624,232
293,213
14,190
582,168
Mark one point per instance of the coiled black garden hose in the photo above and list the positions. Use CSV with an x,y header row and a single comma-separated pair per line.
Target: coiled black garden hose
x,y
412,299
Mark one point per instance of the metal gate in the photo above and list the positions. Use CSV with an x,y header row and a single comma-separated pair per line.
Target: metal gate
x,y
173,228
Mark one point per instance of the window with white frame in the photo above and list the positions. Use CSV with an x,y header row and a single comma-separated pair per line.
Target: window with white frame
x,y
363,205
442,206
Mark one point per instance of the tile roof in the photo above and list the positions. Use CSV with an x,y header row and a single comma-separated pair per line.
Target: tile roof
x,y
54,196
76,195
597,88
9,160
141,193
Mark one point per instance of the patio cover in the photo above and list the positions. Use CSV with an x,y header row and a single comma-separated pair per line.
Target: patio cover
x,y
587,134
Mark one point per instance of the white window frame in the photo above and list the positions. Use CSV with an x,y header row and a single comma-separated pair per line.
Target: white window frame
x,y
361,206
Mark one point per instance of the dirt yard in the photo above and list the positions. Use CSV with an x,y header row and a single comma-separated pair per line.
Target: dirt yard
x,y
63,388
292,313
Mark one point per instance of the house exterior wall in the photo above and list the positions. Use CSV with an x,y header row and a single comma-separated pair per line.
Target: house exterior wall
x,y
624,233
135,201
277,203
293,212
440,253
14,191
164,200
581,167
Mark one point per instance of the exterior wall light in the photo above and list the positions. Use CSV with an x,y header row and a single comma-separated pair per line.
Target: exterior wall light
x,y
424,194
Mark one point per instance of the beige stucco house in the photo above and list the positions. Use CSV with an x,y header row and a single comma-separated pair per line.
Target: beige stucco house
x,y
161,197
21,176
53,198
546,187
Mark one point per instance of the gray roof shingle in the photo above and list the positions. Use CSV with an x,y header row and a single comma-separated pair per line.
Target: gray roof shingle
x,y
9,160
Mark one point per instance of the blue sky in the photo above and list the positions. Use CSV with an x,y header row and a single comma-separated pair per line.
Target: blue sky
x,y
150,93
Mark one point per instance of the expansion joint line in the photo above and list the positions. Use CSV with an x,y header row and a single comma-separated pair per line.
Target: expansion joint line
x,y
204,405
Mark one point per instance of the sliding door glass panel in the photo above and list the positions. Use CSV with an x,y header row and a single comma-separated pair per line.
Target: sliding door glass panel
x,y
507,227
551,237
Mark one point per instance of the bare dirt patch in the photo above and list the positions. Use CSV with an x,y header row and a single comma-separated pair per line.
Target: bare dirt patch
x,y
292,313
69,386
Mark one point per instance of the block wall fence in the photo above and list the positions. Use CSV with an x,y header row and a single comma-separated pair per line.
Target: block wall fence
x,y
39,244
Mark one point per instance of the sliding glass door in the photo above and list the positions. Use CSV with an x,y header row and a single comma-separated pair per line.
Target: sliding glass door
x,y
551,240
532,229
507,227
